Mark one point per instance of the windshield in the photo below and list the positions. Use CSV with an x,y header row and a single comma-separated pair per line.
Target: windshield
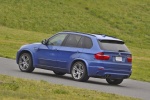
x,y
113,45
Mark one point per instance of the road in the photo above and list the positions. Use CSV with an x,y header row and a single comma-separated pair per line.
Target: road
x,y
129,87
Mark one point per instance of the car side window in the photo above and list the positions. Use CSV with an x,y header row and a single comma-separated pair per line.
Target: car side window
x,y
87,43
80,44
57,40
72,40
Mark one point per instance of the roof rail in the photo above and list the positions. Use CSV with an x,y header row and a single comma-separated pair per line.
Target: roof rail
x,y
79,32
104,35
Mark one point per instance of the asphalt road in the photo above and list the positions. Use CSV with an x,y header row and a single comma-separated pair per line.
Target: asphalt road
x,y
129,87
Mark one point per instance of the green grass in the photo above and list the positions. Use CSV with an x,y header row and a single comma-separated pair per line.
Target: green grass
x,y
27,21
17,89
11,40
127,19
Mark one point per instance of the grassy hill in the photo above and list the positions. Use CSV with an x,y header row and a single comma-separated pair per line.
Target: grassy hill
x,y
26,21
127,19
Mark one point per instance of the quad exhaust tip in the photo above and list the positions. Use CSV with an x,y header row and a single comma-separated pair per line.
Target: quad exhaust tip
x,y
107,75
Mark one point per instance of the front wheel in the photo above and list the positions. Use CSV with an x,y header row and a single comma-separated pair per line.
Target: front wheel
x,y
26,63
114,81
79,72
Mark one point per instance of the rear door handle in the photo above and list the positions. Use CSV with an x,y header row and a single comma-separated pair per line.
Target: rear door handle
x,y
56,49
78,52
36,48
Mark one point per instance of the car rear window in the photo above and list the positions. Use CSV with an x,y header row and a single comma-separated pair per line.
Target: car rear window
x,y
113,45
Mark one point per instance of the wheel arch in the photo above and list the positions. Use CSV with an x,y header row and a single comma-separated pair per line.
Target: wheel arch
x,y
82,60
25,51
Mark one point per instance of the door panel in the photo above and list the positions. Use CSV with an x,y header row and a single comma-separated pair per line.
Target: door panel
x,y
48,53
69,51
67,55
47,56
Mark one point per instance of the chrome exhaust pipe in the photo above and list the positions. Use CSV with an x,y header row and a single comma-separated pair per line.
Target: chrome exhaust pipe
x,y
107,75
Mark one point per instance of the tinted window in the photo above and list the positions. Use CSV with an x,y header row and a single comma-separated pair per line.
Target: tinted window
x,y
72,40
57,39
87,43
113,45
80,44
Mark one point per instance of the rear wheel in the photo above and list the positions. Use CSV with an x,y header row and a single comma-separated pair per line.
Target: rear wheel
x,y
26,63
114,81
59,73
79,72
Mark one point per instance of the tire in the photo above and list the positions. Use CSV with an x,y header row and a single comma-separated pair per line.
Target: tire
x,y
114,81
79,71
26,63
59,73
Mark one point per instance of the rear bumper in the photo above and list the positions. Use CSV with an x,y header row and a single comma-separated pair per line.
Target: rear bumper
x,y
113,74
113,71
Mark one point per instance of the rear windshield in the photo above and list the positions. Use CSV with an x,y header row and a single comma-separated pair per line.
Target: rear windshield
x,y
113,45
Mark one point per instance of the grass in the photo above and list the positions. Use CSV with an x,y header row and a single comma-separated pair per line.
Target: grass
x,y
17,89
11,40
126,19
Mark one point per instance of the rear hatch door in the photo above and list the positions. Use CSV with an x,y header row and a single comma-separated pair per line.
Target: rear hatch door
x,y
120,56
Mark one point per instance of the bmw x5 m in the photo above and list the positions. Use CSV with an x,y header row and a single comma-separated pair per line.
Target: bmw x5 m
x,y
79,54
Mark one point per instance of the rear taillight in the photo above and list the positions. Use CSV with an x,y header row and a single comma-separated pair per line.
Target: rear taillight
x,y
101,56
129,59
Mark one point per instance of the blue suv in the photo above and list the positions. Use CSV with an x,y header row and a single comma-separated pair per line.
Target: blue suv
x,y
79,54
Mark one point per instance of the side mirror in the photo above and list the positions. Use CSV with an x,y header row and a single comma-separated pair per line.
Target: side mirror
x,y
44,41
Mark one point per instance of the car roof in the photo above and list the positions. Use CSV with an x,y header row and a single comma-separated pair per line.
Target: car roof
x,y
105,37
98,36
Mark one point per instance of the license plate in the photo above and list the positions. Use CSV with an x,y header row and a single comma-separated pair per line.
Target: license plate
x,y
118,58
